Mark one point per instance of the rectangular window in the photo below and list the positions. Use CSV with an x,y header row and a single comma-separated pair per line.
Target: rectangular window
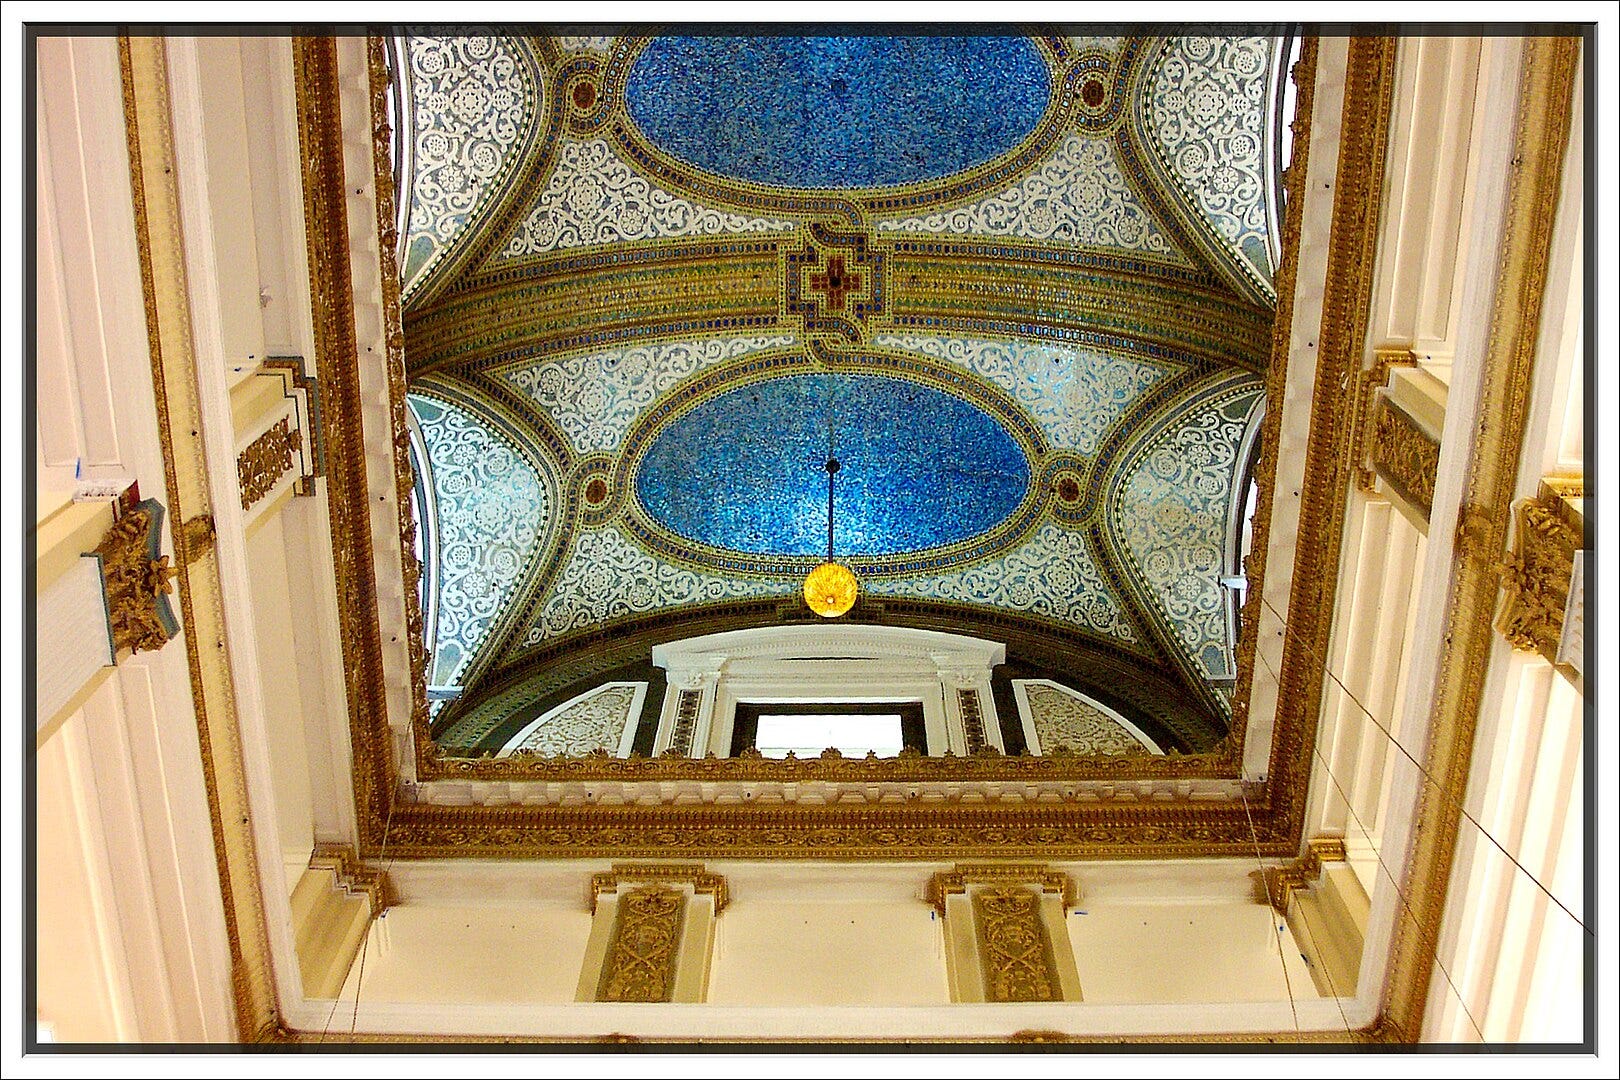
x,y
854,729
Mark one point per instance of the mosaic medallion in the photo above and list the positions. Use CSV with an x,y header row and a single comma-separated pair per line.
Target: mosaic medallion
x,y
745,470
837,112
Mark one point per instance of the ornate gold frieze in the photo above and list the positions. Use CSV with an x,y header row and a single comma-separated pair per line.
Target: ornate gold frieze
x,y
1015,952
1275,885
1535,588
135,581
956,880
1405,456
640,962
693,874
265,460
353,876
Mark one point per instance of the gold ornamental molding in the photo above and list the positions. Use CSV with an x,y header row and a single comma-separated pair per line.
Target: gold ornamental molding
x,y
1276,885
693,874
1535,588
166,295
958,879
354,877
135,581
1541,137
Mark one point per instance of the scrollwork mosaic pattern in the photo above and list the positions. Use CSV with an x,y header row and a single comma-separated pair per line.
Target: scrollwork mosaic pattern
x,y
491,504
593,721
594,198
475,102
1206,108
1076,394
1171,516
1064,721
606,577
595,397
1050,574
1079,196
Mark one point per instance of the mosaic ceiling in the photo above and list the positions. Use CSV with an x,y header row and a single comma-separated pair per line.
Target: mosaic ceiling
x,y
1020,286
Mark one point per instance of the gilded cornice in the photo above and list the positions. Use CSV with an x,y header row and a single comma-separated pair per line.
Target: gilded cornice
x,y
590,830
1347,291
1541,138
1535,588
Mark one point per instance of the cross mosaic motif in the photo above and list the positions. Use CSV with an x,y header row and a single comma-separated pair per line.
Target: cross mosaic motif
x,y
836,283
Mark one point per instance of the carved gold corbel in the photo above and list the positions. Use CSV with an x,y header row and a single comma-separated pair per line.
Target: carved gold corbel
x,y
1535,585
1361,405
137,580
1275,885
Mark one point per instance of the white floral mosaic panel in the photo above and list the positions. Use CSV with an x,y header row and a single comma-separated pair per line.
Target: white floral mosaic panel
x,y
594,398
594,198
1096,44
1079,196
584,44
1066,721
593,721
490,506
474,101
606,576
1050,574
1171,516
1075,394
1207,108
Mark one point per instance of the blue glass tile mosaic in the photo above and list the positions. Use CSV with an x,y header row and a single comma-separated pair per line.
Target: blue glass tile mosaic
x,y
837,112
745,470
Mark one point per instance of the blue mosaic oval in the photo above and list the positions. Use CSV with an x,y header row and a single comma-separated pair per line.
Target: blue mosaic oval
x,y
837,112
746,470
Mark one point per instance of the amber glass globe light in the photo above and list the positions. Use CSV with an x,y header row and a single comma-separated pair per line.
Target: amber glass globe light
x,y
830,590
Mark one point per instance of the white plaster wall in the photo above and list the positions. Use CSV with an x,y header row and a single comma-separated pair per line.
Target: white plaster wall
x,y
1190,952
853,953
445,954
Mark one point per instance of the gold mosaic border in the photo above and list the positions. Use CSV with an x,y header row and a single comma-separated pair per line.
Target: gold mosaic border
x,y
1541,136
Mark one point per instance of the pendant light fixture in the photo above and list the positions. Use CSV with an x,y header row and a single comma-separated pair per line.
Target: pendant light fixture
x,y
830,588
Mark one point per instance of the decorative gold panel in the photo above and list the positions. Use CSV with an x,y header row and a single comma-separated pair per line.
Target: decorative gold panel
x,y
265,460
1014,951
640,963
1404,455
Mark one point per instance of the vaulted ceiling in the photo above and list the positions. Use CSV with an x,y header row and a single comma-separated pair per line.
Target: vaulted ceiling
x,y
1022,285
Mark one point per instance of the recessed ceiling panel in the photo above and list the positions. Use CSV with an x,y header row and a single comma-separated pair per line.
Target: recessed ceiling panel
x,y
825,112
746,470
